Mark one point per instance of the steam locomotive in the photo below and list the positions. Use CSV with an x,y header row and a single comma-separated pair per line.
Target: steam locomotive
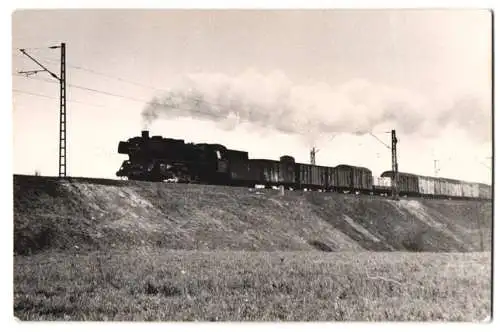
x,y
166,159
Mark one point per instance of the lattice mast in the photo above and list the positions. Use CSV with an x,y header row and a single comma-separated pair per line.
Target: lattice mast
x,y
62,102
395,172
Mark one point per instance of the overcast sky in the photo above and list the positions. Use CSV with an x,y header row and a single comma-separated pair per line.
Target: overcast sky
x,y
285,81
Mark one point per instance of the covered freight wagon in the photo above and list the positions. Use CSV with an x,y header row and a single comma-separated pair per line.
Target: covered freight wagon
x,y
310,176
382,183
287,170
330,178
408,183
236,155
439,187
466,189
426,185
451,187
239,173
267,172
484,191
353,178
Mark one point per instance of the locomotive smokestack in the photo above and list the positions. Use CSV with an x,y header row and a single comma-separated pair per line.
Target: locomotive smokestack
x,y
145,134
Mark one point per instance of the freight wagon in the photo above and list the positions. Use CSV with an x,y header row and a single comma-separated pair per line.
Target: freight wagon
x,y
164,159
382,185
426,186
484,191
310,176
353,178
408,183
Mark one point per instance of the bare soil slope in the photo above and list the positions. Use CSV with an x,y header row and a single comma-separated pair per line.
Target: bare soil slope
x,y
102,214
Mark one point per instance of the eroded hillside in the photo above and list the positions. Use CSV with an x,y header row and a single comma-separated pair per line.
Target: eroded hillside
x,y
85,214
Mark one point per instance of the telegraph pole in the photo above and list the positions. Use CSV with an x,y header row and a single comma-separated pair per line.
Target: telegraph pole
x,y
395,173
313,151
62,114
62,102
313,155
436,167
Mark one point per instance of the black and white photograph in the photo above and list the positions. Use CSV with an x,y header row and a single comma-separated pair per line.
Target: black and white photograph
x,y
252,165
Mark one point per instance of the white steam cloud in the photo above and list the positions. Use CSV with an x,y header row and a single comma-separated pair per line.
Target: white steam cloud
x,y
273,101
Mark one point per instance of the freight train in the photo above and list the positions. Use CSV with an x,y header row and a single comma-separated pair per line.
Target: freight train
x,y
166,159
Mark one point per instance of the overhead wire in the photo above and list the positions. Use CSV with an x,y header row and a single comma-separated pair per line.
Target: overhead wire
x,y
111,93
51,97
83,88
378,139
197,100
35,48
120,79
483,164
122,96
102,74
147,102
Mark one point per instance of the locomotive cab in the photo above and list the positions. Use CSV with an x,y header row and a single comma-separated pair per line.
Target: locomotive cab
x,y
123,147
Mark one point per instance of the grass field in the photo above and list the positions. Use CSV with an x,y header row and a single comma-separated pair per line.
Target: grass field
x,y
145,284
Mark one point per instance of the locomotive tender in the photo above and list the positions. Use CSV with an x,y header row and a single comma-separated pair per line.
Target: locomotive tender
x,y
165,159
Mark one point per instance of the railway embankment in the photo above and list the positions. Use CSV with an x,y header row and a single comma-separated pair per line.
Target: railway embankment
x,y
90,214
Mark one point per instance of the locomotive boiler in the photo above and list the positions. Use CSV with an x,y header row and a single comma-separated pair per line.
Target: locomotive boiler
x,y
159,159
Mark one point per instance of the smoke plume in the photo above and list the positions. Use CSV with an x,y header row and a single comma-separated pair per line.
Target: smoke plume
x,y
273,101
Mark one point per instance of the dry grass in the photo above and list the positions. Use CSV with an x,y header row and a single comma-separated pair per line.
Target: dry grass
x,y
220,286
